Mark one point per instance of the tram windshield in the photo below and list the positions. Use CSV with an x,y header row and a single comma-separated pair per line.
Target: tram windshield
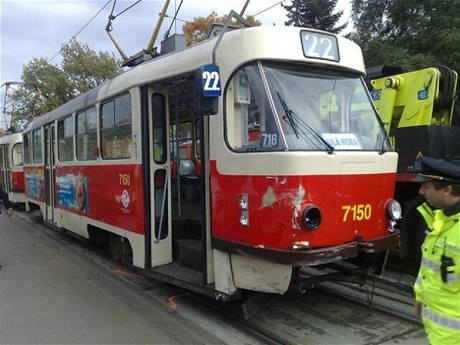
x,y
273,107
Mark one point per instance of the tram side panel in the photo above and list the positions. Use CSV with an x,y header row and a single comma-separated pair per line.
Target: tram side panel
x,y
34,184
112,194
12,167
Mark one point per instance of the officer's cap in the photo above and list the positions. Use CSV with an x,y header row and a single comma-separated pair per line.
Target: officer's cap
x,y
438,170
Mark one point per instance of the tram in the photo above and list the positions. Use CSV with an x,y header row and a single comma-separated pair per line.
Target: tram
x,y
225,166
11,167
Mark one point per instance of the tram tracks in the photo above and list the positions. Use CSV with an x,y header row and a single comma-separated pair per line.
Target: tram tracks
x,y
374,294
234,313
282,319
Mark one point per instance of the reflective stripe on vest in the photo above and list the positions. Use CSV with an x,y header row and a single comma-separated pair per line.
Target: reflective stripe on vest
x,y
440,320
435,267
452,248
419,281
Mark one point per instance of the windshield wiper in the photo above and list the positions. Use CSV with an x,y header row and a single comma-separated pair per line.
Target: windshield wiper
x,y
288,116
292,119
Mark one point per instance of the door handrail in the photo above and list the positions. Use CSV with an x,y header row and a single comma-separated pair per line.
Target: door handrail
x,y
165,192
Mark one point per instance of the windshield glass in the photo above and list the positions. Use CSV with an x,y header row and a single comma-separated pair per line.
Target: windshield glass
x,y
315,109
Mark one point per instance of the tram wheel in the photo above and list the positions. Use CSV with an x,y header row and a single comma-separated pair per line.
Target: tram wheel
x,y
115,247
127,252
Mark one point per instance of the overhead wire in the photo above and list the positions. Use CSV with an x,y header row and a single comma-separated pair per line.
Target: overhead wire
x,y
83,27
176,11
270,7
138,1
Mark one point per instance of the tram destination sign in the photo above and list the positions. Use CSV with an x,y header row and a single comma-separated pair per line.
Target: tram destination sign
x,y
318,45
210,81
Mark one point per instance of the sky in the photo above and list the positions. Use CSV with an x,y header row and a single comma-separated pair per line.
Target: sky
x,y
38,28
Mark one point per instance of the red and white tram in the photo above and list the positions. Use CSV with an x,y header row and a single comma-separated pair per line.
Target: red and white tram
x,y
11,167
291,168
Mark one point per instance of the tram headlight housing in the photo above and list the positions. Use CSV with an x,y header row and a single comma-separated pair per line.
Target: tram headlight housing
x,y
244,206
394,210
311,217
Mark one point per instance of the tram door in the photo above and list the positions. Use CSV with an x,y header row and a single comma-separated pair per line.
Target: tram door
x,y
49,171
4,183
160,179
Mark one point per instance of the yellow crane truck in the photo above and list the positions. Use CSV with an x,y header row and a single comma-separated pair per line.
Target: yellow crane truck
x,y
417,111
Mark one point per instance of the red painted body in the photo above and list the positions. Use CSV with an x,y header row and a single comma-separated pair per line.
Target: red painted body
x,y
105,187
272,226
17,181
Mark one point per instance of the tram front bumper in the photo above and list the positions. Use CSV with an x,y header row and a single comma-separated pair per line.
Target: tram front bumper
x,y
379,244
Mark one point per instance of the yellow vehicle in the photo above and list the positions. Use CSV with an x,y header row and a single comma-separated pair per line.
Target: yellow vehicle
x,y
417,111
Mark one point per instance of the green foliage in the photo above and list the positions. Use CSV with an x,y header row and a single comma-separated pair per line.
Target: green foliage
x,y
46,86
408,33
412,34
315,14
85,68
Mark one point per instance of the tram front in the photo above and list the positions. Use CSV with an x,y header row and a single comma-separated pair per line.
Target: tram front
x,y
307,173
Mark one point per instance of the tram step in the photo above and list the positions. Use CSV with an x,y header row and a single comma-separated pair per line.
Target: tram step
x,y
189,253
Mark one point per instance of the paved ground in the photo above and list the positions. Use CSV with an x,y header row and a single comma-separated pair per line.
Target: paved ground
x,y
51,293
56,290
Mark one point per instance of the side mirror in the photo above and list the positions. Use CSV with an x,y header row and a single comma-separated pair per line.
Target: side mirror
x,y
207,90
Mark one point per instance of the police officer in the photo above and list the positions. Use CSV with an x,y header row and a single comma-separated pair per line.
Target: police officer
x,y
437,288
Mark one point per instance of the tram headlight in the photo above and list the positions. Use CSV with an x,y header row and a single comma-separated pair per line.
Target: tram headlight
x,y
244,201
311,217
394,210
244,205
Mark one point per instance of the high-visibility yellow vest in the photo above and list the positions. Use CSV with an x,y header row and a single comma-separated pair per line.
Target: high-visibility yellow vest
x,y
440,297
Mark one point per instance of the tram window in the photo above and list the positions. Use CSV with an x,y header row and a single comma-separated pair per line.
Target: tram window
x,y
65,139
17,154
116,128
37,145
86,134
250,124
159,128
28,148
1,158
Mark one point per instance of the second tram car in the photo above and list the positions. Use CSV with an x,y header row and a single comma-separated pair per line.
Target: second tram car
x,y
11,167
224,166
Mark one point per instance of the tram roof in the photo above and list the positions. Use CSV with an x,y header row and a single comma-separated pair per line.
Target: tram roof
x,y
10,138
272,43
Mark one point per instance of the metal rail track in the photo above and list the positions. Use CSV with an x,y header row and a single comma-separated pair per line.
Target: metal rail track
x,y
233,314
398,305
363,295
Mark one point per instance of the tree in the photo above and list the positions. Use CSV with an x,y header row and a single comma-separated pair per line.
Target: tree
x,y
315,14
413,33
46,86
85,68
197,29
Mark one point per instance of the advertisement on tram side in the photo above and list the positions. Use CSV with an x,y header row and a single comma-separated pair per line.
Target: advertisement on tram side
x,y
73,192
